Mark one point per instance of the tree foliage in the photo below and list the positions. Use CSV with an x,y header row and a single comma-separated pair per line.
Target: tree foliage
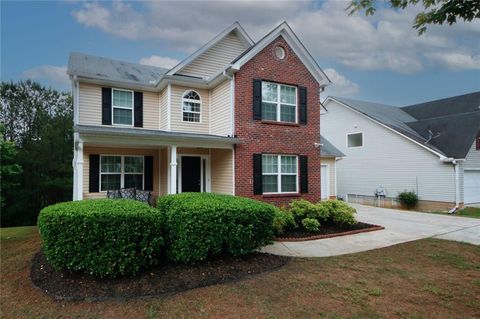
x,y
436,11
37,123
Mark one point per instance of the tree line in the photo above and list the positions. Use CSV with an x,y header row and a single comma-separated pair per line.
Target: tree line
x,y
36,150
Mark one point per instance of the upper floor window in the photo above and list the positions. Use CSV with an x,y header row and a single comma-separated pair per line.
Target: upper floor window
x,y
355,140
191,107
122,107
279,102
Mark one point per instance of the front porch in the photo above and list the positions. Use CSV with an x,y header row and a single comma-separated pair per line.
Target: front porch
x,y
160,164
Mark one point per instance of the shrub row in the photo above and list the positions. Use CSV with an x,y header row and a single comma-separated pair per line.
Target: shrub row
x,y
108,238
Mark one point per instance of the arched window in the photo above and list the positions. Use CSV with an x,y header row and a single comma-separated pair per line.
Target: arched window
x,y
191,106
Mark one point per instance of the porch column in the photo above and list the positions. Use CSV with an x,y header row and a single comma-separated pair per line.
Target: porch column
x,y
78,172
173,170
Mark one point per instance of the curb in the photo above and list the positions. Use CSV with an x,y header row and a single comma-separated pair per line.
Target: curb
x,y
324,236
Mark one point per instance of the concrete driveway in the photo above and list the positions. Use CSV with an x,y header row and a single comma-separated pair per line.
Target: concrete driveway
x,y
400,226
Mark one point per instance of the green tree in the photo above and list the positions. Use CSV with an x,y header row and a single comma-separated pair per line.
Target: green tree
x,y
435,11
39,121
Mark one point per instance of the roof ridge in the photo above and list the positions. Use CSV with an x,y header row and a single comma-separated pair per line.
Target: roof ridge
x,y
117,60
444,116
441,99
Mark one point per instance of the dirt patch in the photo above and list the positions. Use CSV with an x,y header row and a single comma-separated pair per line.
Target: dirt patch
x,y
328,231
166,278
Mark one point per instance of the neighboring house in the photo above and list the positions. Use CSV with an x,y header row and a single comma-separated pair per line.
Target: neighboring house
x,y
330,155
235,117
431,148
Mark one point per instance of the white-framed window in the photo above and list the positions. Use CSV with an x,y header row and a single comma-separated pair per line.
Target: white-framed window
x,y
122,107
121,171
279,102
191,107
279,174
355,140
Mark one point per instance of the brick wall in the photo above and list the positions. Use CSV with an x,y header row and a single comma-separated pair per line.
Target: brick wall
x,y
261,137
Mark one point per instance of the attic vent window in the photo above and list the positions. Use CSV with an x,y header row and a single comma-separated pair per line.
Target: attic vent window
x,y
280,52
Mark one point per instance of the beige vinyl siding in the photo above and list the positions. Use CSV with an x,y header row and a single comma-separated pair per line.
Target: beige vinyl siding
x,y
222,171
331,174
215,59
386,160
90,110
176,112
117,151
163,110
90,104
220,112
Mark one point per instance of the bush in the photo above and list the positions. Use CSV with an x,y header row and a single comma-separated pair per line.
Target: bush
x,y
310,224
102,237
199,225
302,209
283,220
339,212
408,199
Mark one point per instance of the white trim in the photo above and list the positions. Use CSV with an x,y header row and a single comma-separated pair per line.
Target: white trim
x,y
192,101
441,156
203,175
78,168
122,172
169,107
292,40
353,133
234,27
173,170
279,102
232,105
328,181
123,108
279,174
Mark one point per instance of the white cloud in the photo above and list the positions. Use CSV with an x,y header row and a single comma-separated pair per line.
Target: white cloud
x,y
384,41
160,61
56,75
341,86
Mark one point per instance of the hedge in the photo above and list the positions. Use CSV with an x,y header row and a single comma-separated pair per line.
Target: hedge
x,y
199,225
103,237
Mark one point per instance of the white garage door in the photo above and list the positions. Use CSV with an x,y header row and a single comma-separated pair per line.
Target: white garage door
x,y
325,181
471,187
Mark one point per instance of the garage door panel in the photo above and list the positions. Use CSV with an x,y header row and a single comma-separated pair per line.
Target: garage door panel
x,y
471,186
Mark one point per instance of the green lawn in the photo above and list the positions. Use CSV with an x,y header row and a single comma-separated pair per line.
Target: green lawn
x,y
423,279
472,212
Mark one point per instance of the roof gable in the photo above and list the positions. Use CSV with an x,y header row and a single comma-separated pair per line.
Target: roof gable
x,y
292,40
232,41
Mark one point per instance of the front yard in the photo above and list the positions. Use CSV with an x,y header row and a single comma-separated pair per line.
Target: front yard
x,y
423,279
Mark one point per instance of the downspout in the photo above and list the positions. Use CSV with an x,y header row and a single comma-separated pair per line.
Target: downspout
x,y
457,187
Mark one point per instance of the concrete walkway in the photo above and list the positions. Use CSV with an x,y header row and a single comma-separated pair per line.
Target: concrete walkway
x,y
400,226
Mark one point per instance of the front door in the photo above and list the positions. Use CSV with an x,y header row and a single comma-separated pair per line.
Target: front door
x,y
191,174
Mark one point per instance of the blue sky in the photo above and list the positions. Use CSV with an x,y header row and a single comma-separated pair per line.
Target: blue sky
x,y
377,58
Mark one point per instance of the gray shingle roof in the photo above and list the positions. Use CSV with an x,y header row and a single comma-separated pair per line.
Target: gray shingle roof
x,y
114,70
328,150
448,126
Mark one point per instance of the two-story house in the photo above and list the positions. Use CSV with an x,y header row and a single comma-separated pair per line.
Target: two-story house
x,y
235,117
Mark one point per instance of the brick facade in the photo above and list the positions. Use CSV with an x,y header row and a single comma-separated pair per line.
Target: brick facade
x,y
271,138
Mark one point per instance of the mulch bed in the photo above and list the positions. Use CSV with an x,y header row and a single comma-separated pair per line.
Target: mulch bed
x,y
328,231
164,279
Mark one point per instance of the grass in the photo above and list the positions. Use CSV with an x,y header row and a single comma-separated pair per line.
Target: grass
x,y
472,212
429,278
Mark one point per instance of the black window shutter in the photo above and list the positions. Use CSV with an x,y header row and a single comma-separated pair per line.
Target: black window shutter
x,y
94,172
257,174
148,173
302,94
138,109
303,174
106,106
257,99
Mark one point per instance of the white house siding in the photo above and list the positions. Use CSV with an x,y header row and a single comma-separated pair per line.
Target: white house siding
x,y
215,59
177,124
386,159
331,174
472,161
220,112
90,103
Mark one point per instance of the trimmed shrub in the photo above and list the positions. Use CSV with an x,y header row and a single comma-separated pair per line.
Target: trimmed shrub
x,y
302,209
102,237
339,212
408,199
199,225
283,220
311,224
